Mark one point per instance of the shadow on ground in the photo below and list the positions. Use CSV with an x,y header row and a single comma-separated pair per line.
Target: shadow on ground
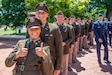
x,y
106,68
78,66
7,43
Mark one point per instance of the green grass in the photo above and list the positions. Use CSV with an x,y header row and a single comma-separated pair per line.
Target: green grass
x,y
12,32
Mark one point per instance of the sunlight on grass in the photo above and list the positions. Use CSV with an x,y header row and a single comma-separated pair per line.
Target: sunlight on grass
x,y
12,32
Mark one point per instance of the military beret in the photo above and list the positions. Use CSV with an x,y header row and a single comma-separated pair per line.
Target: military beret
x,y
60,13
33,23
72,16
41,7
78,19
100,14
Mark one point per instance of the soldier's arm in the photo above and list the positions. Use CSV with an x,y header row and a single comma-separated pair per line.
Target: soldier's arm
x,y
73,35
47,63
48,57
58,49
95,31
84,30
78,31
70,37
107,30
10,60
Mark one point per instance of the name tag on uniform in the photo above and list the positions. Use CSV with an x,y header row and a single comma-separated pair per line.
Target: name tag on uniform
x,y
51,35
46,34
109,25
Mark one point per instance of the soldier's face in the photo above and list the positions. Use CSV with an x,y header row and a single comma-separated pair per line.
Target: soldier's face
x,y
79,21
34,33
89,20
60,18
72,20
100,18
42,15
66,21
85,21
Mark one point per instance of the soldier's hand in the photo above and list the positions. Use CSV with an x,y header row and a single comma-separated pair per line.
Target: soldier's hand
x,y
84,36
110,32
108,38
100,40
56,72
72,45
40,51
63,43
22,52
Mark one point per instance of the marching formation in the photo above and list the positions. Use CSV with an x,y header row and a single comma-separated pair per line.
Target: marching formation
x,y
52,48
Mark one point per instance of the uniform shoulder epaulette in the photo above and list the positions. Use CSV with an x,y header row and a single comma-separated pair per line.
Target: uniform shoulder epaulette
x,y
54,25
23,40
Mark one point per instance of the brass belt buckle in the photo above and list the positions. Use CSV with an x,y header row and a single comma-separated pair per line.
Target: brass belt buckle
x,y
21,67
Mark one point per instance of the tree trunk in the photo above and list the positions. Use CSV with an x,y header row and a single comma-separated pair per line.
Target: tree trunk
x,y
108,13
5,28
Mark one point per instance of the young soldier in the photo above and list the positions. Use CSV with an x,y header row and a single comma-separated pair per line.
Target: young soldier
x,y
71,47
51,35
86,46
100,31
91,31
110,32
77,30
82,34
31,54
67,38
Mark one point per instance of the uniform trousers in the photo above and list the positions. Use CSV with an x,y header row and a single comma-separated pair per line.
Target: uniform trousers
x,y
64,64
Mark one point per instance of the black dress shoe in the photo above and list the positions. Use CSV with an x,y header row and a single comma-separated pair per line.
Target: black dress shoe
x,y
107,61
99,62
69,68
73,61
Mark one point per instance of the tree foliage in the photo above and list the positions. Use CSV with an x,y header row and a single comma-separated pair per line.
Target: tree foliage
x,y
100,6
68,7
13,13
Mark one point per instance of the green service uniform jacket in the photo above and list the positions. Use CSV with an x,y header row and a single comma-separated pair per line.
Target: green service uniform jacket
x,y
67,37
90,26
32,63
77,30
73,34
82,29
86,28
51,35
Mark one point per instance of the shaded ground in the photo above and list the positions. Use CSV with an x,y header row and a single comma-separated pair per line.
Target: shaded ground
x,y
85,65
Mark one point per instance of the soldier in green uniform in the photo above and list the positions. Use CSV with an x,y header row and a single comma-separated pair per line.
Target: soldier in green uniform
x,y
71,46
82,34
86,46
67,39
31,56
54,18
91,34
77,31
66,20
51,35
